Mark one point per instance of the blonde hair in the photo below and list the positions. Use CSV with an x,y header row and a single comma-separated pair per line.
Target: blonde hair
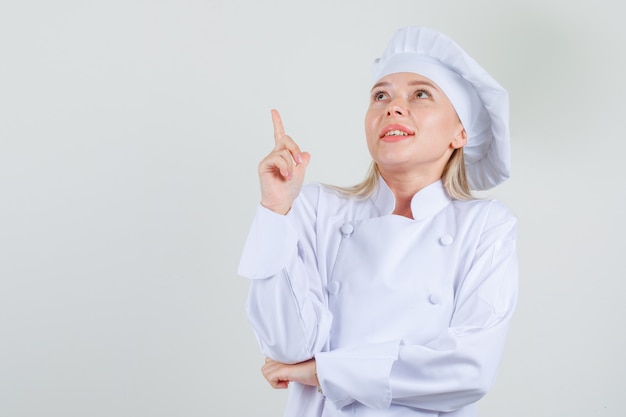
x,y
454,180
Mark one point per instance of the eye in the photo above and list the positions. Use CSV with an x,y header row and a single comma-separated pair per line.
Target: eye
x,y
421,94
379,95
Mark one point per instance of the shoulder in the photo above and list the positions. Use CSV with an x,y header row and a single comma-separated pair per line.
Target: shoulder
x,y
322,201
493,206
316,193
487,214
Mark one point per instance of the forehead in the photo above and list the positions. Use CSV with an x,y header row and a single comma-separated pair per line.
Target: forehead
x,y
409,79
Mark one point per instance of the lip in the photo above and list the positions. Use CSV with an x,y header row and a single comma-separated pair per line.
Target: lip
x,y
391,127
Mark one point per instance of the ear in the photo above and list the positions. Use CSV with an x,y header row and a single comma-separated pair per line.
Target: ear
x,y
460,139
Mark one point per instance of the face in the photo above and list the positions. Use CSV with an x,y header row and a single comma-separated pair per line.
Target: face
x,y
411,126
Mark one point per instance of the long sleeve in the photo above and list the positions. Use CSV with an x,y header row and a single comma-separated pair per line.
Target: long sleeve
x,y
453,370
286,305
403,316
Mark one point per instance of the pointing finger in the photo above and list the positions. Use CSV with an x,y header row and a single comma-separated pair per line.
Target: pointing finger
x,y
279,130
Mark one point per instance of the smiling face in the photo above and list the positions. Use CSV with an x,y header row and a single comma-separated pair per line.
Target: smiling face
x,y
411,126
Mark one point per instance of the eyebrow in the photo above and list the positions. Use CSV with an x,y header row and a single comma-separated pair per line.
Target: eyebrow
x,y
411,83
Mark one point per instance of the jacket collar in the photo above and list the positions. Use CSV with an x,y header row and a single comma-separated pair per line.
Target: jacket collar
x,y
425,203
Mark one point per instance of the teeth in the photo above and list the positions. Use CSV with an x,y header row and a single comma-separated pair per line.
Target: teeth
x,y
396,133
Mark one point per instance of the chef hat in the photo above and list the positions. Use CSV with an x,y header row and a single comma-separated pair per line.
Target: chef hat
x,y
480,102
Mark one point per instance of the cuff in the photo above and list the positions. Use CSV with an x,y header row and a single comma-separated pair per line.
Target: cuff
x,y
270,244
358,374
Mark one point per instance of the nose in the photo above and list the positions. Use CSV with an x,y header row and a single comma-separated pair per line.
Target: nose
x,y
396,108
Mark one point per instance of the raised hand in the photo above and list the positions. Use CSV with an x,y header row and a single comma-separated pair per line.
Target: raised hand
x,y
281,173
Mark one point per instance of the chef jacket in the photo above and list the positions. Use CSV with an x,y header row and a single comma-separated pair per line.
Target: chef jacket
x,y
404,317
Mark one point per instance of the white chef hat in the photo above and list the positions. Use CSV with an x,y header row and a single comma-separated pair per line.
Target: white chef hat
x,y
480,102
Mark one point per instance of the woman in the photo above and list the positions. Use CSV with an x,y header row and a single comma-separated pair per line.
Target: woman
x,y
393,297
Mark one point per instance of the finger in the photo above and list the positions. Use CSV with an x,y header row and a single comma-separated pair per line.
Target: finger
x,y
279,130
286,163
281,385
269,368
305,158
271,372
278,384
286,142
286,169
280,161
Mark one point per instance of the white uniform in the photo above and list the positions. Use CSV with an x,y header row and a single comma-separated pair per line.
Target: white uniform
x,y
404,317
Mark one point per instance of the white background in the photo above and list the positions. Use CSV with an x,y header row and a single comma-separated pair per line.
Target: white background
x,y
130,133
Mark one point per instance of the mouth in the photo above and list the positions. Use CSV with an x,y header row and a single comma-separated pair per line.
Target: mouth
x,y
396,133
393,133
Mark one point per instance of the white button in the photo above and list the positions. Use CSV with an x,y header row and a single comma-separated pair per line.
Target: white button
x,y
446,240
434,299
347,229
333,287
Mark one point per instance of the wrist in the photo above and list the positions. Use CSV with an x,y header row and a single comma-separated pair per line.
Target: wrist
x,y
278,209
317,380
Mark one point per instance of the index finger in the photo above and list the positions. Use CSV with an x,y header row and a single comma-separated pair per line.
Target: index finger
x,y
279,130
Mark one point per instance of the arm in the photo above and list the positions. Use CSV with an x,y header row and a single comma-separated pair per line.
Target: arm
x,y
452,371
286,305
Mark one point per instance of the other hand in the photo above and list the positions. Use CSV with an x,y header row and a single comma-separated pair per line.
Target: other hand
x,y
279,375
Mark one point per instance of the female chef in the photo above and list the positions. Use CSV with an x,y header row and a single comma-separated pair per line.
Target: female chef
x,y
393,297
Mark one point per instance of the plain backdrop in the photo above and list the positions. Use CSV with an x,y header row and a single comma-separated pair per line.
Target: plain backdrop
x,y
130,133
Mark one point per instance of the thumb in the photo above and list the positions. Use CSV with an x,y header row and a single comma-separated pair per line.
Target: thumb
x,y
306,158
300,169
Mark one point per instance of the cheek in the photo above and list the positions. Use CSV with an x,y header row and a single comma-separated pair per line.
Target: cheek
x,y
450,122
369,125
370,131
371,122
445,127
